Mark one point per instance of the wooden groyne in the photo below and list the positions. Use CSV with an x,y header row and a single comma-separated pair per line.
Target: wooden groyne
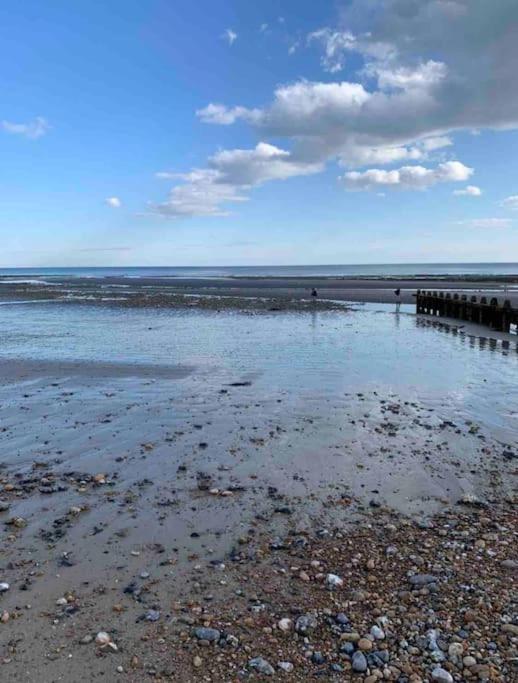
x,y
493,314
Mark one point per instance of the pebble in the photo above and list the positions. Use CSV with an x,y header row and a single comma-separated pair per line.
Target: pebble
x,y
377,633
469,661
4,617
422,579
441,675
334,581
262,666
285,666
305,623
510,628
365,644
212,635
4,587
197,661
4,506
285,624
359,662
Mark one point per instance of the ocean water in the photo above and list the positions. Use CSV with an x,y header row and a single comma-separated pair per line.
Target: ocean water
x,y
312,357
387,270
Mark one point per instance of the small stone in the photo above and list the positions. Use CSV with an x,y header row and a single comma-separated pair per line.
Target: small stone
x,y
305,623
422,579
197,661
359,662
99,478
455,650
469,661
4,617
285,666
61,601
507,628
441,675
262,666
507,564
4,587
334,581
285,624
377,633
152,615
212,635
4,506
102,638
318,658
365,644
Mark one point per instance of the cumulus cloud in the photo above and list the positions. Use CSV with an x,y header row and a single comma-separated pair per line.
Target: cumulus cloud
x,y
425,69
33,130
468,191
511,202
230,36
433,67
488,223
407,177
230,174
114,202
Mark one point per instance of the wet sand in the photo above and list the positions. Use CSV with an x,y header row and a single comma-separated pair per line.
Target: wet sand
x,y
214,293
145,503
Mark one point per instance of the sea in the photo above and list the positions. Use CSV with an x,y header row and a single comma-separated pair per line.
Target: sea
x,y
394,270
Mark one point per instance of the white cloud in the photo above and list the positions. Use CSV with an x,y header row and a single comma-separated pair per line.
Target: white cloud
x,y
425,70
263,28
407,177
230,36
335,44
114,202
488,223
230,174
33,130
511,202
224,116
469,191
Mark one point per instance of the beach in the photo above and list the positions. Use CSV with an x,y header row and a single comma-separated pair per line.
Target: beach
x,y
208,491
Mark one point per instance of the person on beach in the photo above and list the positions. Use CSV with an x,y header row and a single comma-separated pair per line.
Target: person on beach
x,y
397,292
314,294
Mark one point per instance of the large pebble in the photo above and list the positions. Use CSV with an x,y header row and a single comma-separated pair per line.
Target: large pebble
x,y
441,675
212,635
262,666
359,662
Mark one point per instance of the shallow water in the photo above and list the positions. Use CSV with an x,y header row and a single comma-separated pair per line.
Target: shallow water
x,y
309,356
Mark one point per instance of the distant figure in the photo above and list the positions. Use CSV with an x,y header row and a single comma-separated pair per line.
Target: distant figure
x,y
397,292
314,294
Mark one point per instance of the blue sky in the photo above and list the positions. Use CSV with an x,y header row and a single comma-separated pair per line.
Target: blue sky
x,y
208,132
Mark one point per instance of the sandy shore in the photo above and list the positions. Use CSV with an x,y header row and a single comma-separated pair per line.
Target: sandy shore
x,y
223,293
145,507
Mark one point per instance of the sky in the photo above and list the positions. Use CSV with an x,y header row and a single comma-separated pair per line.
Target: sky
x,y
226,132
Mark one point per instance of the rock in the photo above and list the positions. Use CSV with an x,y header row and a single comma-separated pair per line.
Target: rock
x,y
4,617
510,564
441,675
359,662
4,587
365,644
61,601
469,661
285,666
422,579
104,640
212,635
512,629
285,624
86,639
197,662
152,615
342,619
334,581
4,506
262,666
377,633
305,623
455,651
318,658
